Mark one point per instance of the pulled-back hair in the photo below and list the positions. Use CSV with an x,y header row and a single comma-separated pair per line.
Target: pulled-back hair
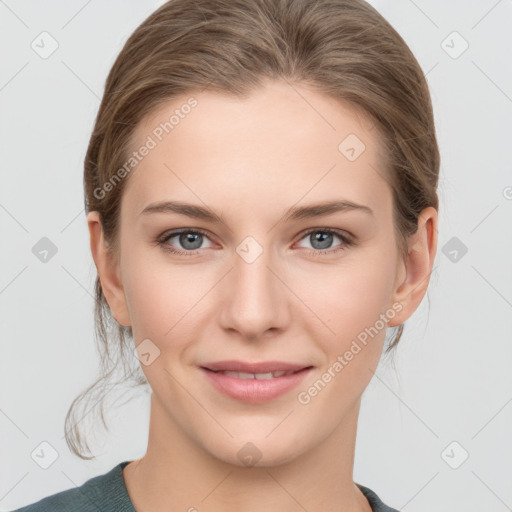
x,y
343,48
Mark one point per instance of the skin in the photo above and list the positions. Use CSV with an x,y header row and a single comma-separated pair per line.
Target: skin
x,y
249,160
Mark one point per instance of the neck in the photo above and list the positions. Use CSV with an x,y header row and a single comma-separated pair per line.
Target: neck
x,y
177,473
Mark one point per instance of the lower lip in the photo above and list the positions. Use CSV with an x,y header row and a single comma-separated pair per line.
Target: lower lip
x,y
255,391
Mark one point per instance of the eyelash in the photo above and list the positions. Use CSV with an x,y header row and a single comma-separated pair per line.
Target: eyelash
x,y
347,242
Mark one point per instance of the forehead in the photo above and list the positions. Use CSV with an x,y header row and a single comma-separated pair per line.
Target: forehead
x,y
281,143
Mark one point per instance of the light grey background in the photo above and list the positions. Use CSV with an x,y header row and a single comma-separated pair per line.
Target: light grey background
x,y
452,381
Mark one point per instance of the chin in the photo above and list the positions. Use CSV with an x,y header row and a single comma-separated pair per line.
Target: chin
x,y
255,450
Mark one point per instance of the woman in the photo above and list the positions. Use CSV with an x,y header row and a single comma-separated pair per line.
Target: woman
x,y
261,200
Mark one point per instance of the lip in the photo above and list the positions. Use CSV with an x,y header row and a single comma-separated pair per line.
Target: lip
x,y
261,367
254,391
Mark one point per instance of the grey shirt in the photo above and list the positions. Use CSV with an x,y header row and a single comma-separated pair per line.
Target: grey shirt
x,y
108,493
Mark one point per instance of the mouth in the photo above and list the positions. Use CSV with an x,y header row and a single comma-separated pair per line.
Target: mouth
x,y
258,376
254,382
259,368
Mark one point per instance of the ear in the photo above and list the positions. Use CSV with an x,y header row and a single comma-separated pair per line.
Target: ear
x,y
108,270
413,274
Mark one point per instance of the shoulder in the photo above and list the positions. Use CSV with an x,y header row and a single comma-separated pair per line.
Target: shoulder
x,y
374,500
103,492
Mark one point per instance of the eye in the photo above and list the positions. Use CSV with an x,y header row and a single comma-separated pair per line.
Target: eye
x,y
321,240
190,239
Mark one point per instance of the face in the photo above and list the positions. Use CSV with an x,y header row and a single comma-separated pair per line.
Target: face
x,y
267,279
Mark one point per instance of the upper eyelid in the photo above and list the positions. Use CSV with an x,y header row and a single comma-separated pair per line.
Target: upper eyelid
x,y
335,231
173,233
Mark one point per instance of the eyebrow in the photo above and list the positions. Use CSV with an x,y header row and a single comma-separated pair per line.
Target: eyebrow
x,y
293,213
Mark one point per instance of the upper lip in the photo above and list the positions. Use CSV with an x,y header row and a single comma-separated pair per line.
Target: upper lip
x,y
261,367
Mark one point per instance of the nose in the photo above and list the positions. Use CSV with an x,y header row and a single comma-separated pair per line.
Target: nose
x,y
256,301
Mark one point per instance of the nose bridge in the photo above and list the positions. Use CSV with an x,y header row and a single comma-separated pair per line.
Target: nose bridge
x,y
255,300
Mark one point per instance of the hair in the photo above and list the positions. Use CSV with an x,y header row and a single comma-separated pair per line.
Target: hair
x,y
343,48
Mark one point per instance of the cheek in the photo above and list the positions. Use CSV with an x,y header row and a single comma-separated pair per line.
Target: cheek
x,y
348,301
353,305
162,298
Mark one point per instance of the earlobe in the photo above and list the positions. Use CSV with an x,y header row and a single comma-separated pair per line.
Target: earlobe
x,y
108,270
417,267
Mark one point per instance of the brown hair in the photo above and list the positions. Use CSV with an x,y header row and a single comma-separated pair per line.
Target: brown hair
x,y
343,48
